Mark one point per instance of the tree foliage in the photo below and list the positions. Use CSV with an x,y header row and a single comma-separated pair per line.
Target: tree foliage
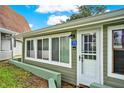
x,y
87,10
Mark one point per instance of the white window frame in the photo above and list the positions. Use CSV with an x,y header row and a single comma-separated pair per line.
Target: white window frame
x,y
41,38
110,52
49,61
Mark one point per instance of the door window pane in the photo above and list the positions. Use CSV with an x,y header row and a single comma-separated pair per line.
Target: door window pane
x,y
64,49
94,57
94,47
39,49
55,49
86,39
88,46
86,56
90,38
45,52
94,37
90,57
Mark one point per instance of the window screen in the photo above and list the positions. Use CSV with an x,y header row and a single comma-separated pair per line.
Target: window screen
x,y
64,49
39,49
55,49
45,52
30,49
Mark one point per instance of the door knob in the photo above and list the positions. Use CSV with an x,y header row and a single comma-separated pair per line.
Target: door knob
x,y
79,57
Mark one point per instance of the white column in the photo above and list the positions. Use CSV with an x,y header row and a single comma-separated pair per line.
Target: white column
x,y
0,41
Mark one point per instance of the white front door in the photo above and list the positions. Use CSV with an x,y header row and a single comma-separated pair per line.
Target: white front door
x,y
88,53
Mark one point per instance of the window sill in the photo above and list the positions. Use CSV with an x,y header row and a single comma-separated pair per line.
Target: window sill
x,y
115,75
50,62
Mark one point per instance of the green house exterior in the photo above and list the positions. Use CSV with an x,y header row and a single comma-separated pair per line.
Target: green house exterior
x,y
100,60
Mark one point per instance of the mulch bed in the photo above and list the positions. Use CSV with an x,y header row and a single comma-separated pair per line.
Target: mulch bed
x,y
37,82
67,85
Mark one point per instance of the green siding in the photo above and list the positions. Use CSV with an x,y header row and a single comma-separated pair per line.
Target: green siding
x,y
109,80
68,74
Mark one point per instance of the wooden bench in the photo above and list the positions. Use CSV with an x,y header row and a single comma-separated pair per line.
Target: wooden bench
x,y
51,83
41,72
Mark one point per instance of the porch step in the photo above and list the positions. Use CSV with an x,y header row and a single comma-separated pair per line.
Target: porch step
x,y
97,85
51,83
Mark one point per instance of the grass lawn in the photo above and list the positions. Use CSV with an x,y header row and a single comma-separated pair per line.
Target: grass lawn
x,y
14,77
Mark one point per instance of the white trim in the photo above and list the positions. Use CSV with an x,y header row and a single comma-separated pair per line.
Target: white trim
x,y
35,48
50,62
50,50
4,30
59,48
109,67
100,54
78,53
69,65
26,47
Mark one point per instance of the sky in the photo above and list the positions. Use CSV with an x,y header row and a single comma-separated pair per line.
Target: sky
x,y
43,16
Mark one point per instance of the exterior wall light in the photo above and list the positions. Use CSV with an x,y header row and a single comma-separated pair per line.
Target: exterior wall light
x,y
71,36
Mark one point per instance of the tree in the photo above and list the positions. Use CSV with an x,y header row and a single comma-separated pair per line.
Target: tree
x,y
87,10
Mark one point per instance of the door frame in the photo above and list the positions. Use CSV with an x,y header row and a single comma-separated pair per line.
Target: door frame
x,y
100,30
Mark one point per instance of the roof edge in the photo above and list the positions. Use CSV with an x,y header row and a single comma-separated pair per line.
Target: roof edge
x,y
114,15
4,30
